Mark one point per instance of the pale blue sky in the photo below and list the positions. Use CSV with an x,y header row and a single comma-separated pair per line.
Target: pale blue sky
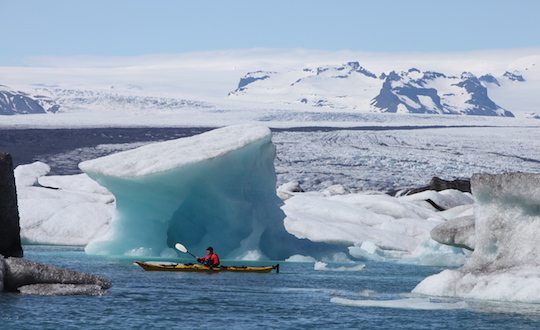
x,y
137,27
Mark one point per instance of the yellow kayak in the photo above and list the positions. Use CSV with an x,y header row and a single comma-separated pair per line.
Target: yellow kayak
x,y
174,267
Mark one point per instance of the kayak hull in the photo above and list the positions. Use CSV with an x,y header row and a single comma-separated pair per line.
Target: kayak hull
x,y
174,267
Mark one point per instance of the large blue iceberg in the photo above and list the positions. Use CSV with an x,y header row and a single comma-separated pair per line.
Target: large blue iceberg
x,y
214,189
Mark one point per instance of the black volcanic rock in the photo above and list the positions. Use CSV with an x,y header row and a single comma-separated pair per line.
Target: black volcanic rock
x,y
20,272
10,240
439,184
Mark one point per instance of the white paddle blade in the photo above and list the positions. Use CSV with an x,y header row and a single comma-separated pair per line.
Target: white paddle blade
x,y
180,247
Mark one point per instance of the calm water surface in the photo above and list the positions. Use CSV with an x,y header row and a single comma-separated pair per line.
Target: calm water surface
x,y
296,298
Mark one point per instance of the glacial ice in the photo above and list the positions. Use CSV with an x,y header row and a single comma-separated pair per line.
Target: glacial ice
x,y
407,303
60,210
231,170
378,227
75,210
505,264
214,189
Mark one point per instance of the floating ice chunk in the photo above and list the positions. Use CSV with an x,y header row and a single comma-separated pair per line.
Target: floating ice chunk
x,y
335,189
431,253
408,303
319,265
27,175
376,227
79,182
287,190
505,264
301,258
67,210
370,251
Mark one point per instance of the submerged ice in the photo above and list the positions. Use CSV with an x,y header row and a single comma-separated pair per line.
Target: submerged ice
x,y
214,189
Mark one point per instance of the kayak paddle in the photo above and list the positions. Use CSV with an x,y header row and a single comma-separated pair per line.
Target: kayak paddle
x,y
182,248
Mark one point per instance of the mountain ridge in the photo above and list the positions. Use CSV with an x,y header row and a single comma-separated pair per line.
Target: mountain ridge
x,y
498,83
411,91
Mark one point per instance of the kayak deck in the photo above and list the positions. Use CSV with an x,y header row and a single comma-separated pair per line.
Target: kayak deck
x,y
174,267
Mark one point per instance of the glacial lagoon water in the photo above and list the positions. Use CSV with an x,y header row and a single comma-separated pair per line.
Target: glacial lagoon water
x,y
299,297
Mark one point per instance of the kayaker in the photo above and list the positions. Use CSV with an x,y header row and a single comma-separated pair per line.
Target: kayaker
x,y
211,259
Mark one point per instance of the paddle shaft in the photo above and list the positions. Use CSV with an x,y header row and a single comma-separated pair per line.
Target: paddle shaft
x,y
191,254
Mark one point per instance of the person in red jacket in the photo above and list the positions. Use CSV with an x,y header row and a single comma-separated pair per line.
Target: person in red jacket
x,y
211,259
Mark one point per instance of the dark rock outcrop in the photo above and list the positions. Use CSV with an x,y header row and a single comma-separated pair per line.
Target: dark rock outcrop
x,y
2,272
20,272
10,240
439,184
29,277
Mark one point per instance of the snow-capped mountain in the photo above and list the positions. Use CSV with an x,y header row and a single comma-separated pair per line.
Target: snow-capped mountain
x,y
284,85
51,100
17,102
351,86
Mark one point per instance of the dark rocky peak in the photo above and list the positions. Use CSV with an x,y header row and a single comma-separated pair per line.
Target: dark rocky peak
x,y
431,75
321,70
480,103
469,76
393,76
513,76
252,77
390,98
489,79
356,67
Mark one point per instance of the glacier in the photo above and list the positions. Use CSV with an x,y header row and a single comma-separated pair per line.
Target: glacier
x,y
505,264
213,189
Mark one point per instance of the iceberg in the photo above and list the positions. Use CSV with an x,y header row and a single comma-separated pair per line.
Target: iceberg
x,y
505,264
60,210
377,226
214,189
219,189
